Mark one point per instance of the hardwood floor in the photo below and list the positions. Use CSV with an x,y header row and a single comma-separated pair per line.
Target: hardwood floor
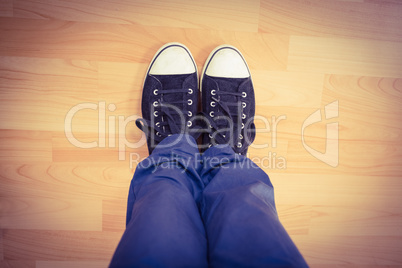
x,y
336,65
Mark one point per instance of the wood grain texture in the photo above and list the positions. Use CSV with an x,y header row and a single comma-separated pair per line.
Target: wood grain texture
x,y
47,213
63,203
345,56
130,43
17,264
329,18
356,221
114,219
36,93
84,180
1,246
25,146
309,189
240,15
6,8
289,89
382,250
59,245
295,219
71,264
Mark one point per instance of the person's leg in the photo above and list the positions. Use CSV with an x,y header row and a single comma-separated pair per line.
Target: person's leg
x,y
164,228
239,215
238,207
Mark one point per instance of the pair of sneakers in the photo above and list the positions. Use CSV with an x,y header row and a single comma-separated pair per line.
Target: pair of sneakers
x,y
170,98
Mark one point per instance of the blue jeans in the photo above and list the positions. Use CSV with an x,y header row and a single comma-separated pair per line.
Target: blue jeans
x,y
214,210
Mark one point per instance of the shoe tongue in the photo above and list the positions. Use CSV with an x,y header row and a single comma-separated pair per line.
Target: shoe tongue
x,y
235,85
229,85
168,82
175,81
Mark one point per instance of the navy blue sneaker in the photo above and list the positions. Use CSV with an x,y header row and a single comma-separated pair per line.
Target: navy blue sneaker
x,y
228,100
170,94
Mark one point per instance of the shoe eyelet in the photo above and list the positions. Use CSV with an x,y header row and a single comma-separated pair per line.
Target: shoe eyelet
x,y
211,114
239,145
243,104
210,126
156,113
213,92
189,113
210,145
158,134
189,123
190,101
213,104
157,124
155,104
244,94
190,91
240,136
169,135
242,125
156,92
243,116
209,135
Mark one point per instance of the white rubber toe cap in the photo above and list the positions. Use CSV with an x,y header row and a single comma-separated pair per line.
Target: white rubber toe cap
x,y
172,59
227,61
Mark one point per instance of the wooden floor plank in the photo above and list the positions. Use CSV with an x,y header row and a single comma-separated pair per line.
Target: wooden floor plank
x,y
1,246
37,94
360,128
356,221
71,264
131,43
332,19
120,83
64,183
209,14
114,215
383,1
289,89
380,158
345,56
355,191
25,146
17,264
296,219
59,245
66,180
6,8
49,213
381,251
45,76
365,93
116,146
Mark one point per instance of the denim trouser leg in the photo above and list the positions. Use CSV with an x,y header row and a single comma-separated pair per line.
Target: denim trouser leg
x,y
164,227
239,214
